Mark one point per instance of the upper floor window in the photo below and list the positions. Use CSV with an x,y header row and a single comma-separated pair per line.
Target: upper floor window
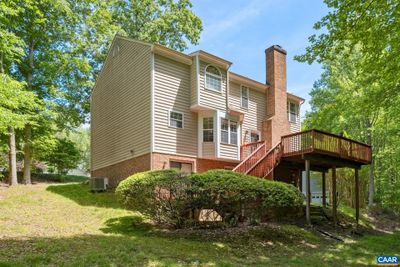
x,y
213,78
244,95
229,133
175,119
208,129
293,111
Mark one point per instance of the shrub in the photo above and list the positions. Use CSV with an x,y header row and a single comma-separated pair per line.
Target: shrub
x,y
161,195
236,196
168,197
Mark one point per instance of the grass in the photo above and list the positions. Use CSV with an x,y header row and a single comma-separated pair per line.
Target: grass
x,y
66,225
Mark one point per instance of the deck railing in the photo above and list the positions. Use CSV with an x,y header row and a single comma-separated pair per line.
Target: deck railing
x,y
266,164
325,143
253,157
247,149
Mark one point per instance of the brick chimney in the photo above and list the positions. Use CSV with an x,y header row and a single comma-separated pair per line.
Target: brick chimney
x,y
276,122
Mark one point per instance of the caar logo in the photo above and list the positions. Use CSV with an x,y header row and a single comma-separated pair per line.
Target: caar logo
x,y
387,260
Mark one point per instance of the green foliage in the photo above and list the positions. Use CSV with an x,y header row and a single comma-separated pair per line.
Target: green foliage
x,y
230,193
371,27
65,155
17,106
170,198
61,178
161,195
358,93
55,49
81,137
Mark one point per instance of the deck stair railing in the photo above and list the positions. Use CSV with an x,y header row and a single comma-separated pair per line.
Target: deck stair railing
x,y
260,162
256,160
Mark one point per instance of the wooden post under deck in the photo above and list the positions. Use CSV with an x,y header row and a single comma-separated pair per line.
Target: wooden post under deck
x,y
334,196
323,190
357,188
308,192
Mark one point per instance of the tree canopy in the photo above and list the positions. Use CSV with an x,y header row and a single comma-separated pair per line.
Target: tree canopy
x,y
358,91
51,52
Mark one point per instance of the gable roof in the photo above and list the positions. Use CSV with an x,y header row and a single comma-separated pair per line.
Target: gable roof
x,y
188,59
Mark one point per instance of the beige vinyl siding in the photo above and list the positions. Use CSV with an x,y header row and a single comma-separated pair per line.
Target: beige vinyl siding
x,y
254,115
295,127
172,92
121,105
208,149
209,98
193,83
228,151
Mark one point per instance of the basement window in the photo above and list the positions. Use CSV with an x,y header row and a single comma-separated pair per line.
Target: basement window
x,y
182,166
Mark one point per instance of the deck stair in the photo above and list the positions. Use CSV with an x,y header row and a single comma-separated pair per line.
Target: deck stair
x,y
261,162
257,159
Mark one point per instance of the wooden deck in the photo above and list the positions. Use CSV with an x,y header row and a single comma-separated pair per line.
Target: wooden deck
x,y
324,150
308,150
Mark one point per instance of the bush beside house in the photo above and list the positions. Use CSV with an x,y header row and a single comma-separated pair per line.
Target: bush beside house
x,y
171,198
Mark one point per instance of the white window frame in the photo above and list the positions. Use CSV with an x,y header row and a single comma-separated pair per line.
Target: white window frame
x,y
255,132
213,75
208,129
224,131
295,113
169,119
242,97
229,132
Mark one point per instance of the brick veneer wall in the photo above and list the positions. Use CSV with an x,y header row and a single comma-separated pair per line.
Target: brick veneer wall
x,y
119,171
276,123
161,161
209,164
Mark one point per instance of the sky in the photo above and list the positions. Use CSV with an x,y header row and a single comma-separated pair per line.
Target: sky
x,y
241,30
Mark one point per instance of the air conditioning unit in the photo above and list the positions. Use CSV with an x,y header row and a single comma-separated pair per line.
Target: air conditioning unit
x,y
98,184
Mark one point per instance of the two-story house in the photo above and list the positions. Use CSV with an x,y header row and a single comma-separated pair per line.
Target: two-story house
x,y
155,108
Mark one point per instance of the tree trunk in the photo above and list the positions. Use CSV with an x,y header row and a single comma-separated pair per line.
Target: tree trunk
x,y
28,128
371,184
371,190
12,163
27,154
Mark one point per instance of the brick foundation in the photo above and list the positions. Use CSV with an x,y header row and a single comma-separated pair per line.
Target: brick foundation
x,y
209,164
119,171
161,161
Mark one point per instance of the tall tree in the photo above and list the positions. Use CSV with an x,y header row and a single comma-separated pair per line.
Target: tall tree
x,y
66,42
370,29
16,105
341,101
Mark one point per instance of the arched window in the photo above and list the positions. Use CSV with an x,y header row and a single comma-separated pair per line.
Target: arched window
x,y
213,78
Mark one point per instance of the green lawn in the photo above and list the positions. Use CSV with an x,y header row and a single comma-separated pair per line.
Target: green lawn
x,y
66,225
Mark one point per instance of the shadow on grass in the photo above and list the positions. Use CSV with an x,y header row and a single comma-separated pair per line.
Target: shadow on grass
x,y
81,194
127,225
117,250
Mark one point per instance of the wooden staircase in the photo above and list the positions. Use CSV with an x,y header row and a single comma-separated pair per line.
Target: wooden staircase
x,y
260,162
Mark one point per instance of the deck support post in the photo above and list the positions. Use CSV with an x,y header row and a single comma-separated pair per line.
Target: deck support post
x,y
323,190
357,188
334,196
308,192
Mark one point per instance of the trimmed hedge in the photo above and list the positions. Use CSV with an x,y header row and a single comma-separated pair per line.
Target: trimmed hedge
x,y
168,197
237,197
161,195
